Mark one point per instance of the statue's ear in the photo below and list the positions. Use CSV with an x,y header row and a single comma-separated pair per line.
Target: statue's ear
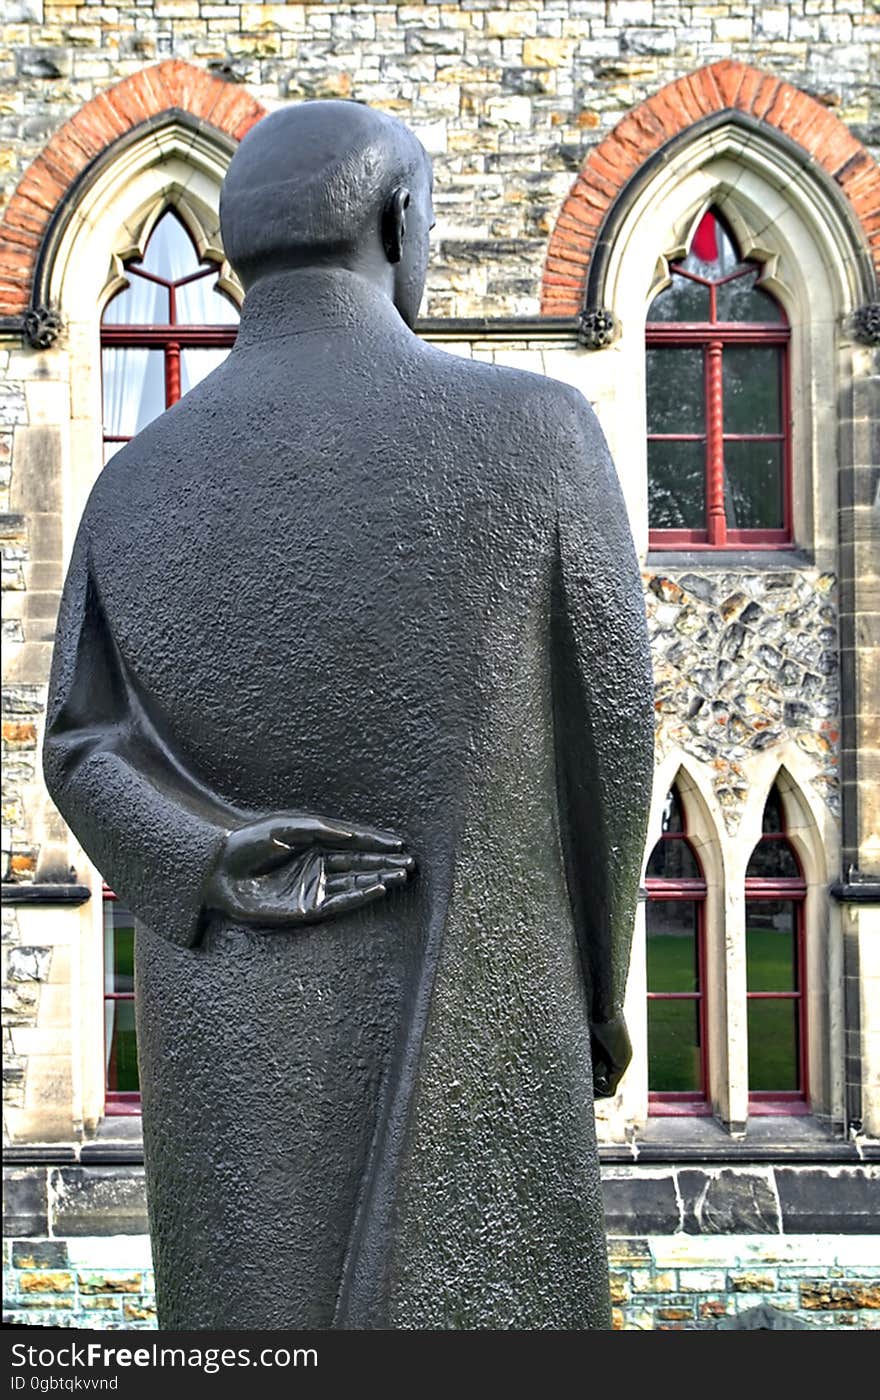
x,y
394,223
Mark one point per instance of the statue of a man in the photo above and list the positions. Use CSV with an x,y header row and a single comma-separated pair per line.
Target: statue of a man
x,y
351,704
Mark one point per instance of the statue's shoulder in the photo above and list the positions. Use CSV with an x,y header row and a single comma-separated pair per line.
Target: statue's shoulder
x,y
503,390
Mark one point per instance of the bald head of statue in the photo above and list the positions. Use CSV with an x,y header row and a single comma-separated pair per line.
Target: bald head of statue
x,y
332,184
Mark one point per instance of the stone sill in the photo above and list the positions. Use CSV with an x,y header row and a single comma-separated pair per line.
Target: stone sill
x,y
802,1141
44,894
727,560
794,1140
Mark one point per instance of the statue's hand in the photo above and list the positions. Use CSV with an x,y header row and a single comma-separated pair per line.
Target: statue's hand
x,y
612,1053
297,869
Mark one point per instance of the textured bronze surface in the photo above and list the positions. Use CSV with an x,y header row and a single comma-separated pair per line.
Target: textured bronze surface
x,y
355,576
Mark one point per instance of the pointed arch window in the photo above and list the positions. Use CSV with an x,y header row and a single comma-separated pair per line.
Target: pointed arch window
x,y
675,925
776,969
168,327
718,402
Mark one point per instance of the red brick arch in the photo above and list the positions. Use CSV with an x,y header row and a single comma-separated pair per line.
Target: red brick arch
x,y
107,117
724,86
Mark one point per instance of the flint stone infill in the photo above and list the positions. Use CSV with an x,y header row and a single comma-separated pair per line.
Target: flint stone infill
x,y
742,663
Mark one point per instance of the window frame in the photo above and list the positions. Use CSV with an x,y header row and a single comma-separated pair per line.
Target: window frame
x,y
682,1103
767,1103
118,1103
713,337
170,338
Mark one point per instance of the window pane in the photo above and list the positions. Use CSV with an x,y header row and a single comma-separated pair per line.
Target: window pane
x,y
121,1047
170,252
200,304
111,449
673,815
672,859
771,946
677,485
750,378
682,300
672,945
712,253
674,1047
676,391
196,364
773,859
121,970
773,819
773,1046
753,495
134,389
741,300
142,303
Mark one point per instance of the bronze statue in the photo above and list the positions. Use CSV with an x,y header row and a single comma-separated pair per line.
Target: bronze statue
x,y
351,704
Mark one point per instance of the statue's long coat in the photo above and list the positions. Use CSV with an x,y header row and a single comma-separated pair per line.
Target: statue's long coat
x,y
351,574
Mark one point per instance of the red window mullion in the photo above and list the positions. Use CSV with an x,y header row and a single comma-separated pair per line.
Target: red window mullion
x,y
715,517
172,373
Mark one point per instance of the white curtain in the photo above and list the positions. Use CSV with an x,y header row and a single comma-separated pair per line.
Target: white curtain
x,y
134,388
200,304
142,303
196,364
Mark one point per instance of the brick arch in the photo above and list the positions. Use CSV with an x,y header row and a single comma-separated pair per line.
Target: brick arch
x,y
720,87
112,114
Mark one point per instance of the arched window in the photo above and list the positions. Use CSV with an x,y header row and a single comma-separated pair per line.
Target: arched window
x,y
718,401
775,969
677,1065
161,333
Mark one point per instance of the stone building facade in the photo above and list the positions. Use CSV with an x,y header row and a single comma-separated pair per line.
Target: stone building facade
x,y
578,146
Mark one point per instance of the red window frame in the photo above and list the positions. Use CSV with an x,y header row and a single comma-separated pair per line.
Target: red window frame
x,y
172,337
117,1103
793,890
679,1103
713,336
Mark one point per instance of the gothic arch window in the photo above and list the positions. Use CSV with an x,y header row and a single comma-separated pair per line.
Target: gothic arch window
x,y
776,969
676,955
719,446
168,326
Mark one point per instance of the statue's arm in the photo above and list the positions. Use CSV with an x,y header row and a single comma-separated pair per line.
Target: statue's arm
x,y
604,723
168,846
153,835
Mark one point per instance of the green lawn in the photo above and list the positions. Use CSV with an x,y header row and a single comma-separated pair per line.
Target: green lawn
x,y
673,1048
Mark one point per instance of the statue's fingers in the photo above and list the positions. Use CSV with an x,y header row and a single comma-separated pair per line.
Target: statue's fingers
x,y
370,838
308,830
386,875
366,860
353,898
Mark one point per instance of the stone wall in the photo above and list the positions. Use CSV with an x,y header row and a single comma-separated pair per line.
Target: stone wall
x,y
689,1247
509,98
